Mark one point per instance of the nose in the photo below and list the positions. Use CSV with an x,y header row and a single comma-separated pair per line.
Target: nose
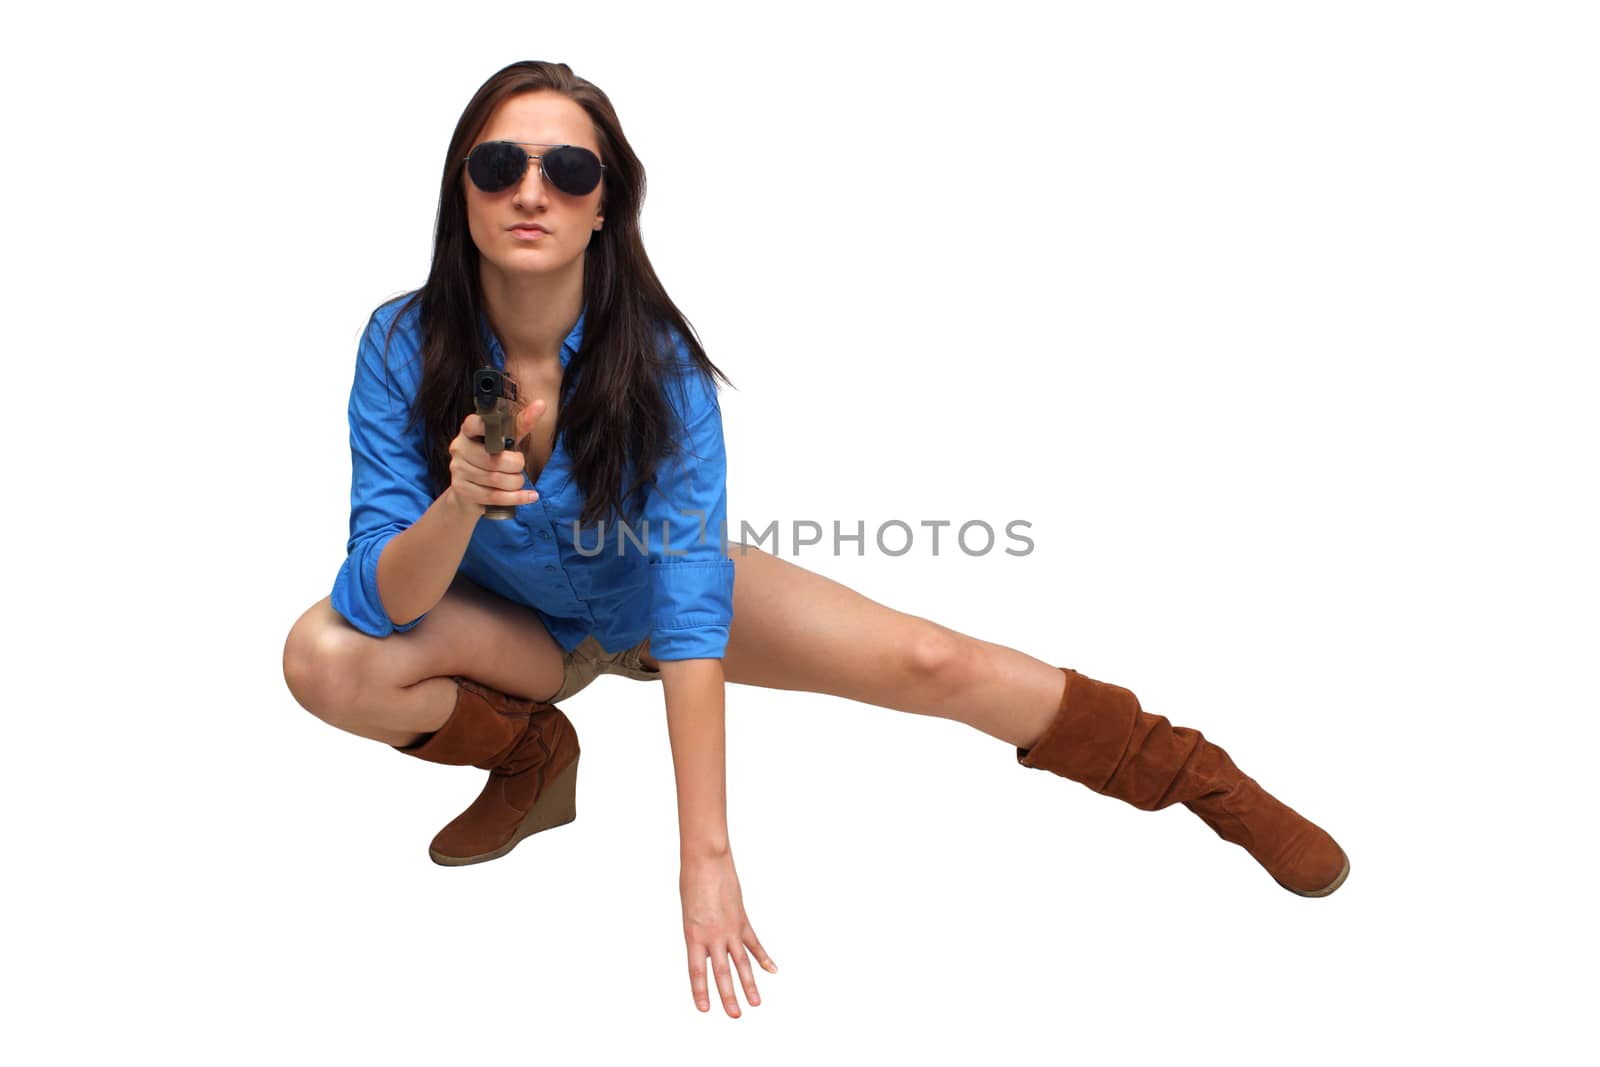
x,y
531,189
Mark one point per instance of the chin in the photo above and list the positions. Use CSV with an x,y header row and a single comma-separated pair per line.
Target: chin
x,y
521,256
534,263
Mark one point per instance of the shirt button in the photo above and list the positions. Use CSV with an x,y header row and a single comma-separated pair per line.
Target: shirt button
x,y
544,535
550,566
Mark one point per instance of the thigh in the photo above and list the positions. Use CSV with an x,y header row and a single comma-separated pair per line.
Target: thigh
x,y
471,632
795,629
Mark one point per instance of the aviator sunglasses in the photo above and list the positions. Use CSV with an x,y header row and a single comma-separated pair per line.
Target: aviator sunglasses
x,y
497,165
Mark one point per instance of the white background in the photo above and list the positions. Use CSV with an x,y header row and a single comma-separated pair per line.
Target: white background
x,y
1275,320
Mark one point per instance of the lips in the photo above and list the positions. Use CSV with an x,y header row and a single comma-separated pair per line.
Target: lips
x,y
529,228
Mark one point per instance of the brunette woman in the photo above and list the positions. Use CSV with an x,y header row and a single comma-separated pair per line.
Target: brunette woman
x,y
451,635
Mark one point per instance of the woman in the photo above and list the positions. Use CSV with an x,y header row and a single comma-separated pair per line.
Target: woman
x,y
451,636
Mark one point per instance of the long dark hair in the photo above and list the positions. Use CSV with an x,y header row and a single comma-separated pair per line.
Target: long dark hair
x,y
613,408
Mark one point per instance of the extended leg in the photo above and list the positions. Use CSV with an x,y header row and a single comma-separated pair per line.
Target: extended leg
x,y
793,629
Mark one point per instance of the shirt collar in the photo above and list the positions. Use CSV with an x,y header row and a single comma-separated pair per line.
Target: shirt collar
x,y
497,354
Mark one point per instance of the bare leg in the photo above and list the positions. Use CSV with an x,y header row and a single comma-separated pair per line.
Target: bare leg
x,y
395,689
794,629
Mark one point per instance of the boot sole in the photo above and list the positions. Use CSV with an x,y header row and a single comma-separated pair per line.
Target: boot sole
x,y
1325,890
556,806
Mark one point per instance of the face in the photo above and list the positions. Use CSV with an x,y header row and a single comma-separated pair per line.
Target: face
x,y
537,118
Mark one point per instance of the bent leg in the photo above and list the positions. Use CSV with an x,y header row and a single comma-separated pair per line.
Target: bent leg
x,y
395,688
795,629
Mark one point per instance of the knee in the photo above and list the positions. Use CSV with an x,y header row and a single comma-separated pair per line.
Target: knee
x,y
939,657
322,666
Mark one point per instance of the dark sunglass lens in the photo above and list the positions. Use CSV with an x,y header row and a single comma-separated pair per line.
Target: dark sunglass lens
x,y
496,165
573,170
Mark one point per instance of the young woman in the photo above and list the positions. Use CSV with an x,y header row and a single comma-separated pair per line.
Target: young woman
x,y
450,635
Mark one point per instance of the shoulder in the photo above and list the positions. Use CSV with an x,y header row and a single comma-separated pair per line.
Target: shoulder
x,y
396,325
391,345
690,389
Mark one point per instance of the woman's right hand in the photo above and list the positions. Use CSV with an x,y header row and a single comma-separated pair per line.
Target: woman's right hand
x,y
478,479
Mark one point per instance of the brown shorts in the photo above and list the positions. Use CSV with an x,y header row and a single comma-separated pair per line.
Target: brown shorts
x,y
589,661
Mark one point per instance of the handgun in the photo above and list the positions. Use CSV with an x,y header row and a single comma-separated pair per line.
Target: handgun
x,y
495,394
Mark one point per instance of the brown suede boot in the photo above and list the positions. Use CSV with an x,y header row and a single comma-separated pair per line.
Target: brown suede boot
x,y
1102,738
530,750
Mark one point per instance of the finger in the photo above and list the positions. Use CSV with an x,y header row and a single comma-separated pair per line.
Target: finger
x,y
747,977
512,460
508,462
504,481
477,494
697,977
529,415
493,479
472,425
754,944
511,500
490,487
719,967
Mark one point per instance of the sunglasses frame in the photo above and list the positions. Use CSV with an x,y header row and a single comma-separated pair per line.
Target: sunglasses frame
x,y
532,156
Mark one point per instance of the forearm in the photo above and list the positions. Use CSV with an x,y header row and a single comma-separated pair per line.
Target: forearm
x,y
696,726
419,563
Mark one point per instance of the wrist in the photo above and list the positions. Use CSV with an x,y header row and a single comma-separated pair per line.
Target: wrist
x,y
457,506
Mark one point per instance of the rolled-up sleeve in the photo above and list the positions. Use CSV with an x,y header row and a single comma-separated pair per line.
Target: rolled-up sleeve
x,y
686,515
388,473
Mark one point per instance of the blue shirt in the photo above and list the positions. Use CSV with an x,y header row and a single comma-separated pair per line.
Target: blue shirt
x,y
668,577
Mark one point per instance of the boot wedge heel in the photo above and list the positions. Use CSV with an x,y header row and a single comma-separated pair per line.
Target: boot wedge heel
x,y
530,750
557,805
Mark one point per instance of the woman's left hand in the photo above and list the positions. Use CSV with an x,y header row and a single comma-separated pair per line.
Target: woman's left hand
x,y
714,924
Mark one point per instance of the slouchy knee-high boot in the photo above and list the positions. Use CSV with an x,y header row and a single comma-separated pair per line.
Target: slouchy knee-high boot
x,y
1102,738
530,750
